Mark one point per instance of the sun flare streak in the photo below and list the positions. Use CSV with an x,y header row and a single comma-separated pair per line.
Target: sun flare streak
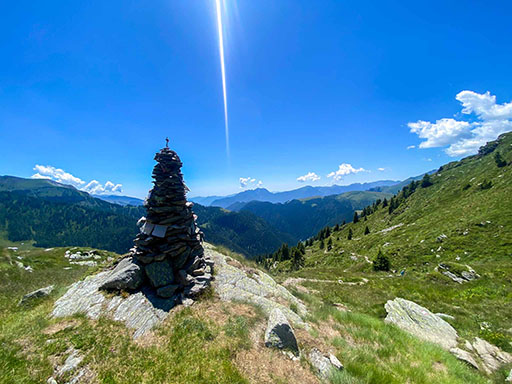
x,y
223,70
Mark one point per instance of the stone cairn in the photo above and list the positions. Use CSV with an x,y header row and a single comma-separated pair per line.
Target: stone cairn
x,y
168,256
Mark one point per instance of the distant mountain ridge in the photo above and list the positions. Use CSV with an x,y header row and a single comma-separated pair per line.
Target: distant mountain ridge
x,y
262,194
121,200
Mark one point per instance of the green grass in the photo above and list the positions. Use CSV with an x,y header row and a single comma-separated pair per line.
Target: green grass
x,y
188,348
477,223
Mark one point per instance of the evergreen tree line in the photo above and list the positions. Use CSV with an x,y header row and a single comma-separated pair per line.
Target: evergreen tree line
x,y
285,252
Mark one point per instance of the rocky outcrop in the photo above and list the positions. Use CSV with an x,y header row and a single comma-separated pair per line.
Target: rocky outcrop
x,y
459,275
324,365
127,275
140,311
422,323
233,282
41,292
279,333
491,356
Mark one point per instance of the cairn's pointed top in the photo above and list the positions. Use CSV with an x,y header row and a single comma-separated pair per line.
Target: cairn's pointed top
x,y
166,142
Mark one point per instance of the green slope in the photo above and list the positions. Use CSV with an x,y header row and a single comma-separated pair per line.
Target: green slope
x,y
476,222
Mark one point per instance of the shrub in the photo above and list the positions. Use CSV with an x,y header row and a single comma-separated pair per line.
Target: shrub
x,y
486,184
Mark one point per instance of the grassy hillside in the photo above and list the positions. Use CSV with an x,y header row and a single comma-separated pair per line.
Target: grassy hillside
x,y
211,342
463,218
303,218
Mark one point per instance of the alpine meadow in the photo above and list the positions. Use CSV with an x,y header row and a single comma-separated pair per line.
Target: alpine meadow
x,y
236,191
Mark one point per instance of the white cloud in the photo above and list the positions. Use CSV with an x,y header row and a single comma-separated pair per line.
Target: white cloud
x,y
61,176
95,188
260,184
343,170
484,105
411,147
57,174
310,176
463,137
441,133
246,182
381,169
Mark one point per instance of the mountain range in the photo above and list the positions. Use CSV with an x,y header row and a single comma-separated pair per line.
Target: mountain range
x,y
263,194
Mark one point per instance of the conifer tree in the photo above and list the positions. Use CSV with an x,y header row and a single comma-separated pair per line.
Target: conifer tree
x,y
500,162
426,181
329,244
336,228
366,230
385,203
322,245
349,237
356,218
381,262
297,259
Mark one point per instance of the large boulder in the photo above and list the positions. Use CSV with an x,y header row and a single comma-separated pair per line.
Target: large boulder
x,y
420,322
41,292
279,333
127,275
324,365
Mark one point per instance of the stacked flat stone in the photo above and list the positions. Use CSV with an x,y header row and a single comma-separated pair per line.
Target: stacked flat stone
x,y
168,247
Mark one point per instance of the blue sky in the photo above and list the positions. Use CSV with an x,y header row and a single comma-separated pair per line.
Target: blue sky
x,y
90,90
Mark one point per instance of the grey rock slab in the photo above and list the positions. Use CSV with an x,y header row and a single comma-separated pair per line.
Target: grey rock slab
x,y
140,311
127,275
235,284
509,377
492,357
41,292
324,365
279,333
465,356
420,322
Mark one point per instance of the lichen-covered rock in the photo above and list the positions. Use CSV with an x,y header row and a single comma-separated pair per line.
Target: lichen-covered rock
x,y
127,275
41,292
233,283
160,273
324,365
420,322
279,333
